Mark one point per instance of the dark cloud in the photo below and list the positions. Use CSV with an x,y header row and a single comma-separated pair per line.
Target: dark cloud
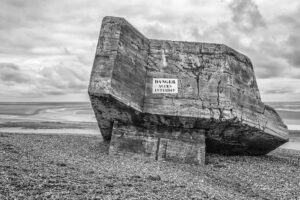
x,y
64,78
246,15
45,28
267,70
293,52
287,20
278,91
12,66
47,81
288,48
11,74
55,92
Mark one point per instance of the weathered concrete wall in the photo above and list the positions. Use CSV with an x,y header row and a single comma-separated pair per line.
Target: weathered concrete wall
x,y
129,73
119,69
209,77
217,93
159,144
120,63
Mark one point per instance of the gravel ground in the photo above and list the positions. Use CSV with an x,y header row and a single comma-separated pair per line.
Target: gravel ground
x,y
78,167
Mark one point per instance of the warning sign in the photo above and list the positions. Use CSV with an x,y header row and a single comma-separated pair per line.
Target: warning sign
x,y
165,85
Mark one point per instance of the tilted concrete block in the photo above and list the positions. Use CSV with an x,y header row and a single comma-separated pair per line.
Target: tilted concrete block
x,y
179,92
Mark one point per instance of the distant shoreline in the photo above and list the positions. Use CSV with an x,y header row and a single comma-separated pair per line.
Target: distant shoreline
x,y
289,111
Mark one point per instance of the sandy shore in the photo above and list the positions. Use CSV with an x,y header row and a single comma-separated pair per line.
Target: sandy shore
x,y
42,127
78,167
51,131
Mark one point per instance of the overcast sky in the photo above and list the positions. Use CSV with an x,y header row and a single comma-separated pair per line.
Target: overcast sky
x,y
47,47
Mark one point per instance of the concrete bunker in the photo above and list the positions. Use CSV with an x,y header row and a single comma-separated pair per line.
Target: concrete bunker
x,y
176,100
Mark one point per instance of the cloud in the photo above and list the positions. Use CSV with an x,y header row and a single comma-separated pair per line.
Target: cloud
x,y
62,78
278,91
11,74
286,43
293,51
46,81
246,15
47,47
268,69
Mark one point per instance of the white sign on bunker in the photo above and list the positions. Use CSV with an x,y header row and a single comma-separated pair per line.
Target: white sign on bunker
x,y
165,85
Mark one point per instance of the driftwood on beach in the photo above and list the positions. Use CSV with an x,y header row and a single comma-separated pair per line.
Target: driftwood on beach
x,y
176,100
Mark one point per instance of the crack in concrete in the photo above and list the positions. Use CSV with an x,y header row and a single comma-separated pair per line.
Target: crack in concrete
x,y
157,148
242,107
145,81
218,92
221,116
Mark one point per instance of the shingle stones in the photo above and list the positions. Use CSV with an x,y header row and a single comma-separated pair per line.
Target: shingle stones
x,y
174,100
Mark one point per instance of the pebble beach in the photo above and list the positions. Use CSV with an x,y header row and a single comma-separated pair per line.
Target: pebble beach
x,y
35,166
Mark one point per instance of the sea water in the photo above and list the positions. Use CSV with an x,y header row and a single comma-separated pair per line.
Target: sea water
x,y
289,112
82,112
34,113
46,111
